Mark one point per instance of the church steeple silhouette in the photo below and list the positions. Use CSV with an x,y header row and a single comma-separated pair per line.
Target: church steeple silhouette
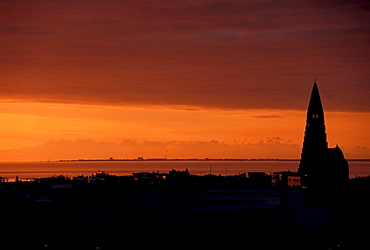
x,y
320,166
314,144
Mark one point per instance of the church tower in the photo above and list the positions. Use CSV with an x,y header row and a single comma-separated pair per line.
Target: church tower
x,y
314,144
320,166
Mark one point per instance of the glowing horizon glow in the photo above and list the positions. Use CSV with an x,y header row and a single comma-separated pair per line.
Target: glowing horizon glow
x,y
183,131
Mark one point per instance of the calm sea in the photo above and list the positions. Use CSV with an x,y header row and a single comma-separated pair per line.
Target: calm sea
x,y
26,170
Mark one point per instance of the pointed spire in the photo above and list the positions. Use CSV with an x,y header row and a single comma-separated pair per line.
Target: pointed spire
x,y
315,106
315,136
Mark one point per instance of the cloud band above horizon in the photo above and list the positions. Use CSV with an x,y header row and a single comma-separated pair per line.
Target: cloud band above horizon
x,y
220,54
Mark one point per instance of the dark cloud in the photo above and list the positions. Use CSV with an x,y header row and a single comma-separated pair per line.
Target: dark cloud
x,y
267,116
224,54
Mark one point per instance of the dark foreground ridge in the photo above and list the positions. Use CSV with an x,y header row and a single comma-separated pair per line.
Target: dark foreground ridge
x,y
177,210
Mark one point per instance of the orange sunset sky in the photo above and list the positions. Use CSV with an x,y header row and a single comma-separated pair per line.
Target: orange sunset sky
x,y
122,79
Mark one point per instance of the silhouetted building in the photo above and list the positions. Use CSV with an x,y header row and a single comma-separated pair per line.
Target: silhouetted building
x,y
320,166
286,179
259,180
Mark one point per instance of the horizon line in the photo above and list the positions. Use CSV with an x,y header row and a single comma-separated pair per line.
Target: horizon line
x,y
111,159
194,159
